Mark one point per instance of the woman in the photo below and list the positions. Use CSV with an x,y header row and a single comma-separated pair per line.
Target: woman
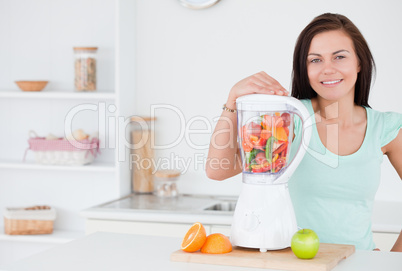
x,y
334,186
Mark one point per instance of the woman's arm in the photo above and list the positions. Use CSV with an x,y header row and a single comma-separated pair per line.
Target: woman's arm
x,y
394,152
224,157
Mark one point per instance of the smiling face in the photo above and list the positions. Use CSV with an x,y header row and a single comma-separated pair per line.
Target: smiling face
x,y
332,65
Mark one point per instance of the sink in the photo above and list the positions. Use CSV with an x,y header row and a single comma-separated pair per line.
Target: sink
x,y
226,206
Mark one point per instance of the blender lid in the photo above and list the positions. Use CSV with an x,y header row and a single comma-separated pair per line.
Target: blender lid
x,y
264,102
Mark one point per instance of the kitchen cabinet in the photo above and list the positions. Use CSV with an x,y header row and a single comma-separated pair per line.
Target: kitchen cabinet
x,y
151,215
149,228
143,228
384,241
70,188
114,251
158,216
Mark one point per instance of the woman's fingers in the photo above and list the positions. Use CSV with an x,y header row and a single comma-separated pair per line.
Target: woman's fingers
x,y
263,76
268,84
259,89
260,83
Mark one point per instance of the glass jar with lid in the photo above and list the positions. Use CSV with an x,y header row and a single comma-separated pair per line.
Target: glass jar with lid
x,y
165,183
85,68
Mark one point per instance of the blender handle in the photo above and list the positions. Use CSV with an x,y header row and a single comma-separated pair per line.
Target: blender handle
x,y
306,131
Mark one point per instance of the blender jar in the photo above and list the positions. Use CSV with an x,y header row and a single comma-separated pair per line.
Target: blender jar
x,y
265,140
85,68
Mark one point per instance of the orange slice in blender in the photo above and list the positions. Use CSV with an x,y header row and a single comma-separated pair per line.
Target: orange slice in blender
x,y
194,238
280,134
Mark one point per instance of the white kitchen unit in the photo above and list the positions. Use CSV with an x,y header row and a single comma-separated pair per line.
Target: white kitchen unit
x,y
172,217
53,29
113,251
144,228
383,240
151,228
157,216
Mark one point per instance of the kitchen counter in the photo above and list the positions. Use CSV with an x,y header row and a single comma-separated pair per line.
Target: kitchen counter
x,y
150,208
114,251
387,216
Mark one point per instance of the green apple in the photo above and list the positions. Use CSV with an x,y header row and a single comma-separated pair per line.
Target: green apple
x,y
305,244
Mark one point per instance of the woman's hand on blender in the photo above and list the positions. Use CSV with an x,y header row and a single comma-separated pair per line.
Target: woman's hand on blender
x,y
259,83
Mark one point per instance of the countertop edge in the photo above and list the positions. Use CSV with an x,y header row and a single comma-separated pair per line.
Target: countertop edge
x,y
140,216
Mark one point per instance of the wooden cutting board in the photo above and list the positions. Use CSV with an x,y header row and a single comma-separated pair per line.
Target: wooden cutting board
x,y
327,258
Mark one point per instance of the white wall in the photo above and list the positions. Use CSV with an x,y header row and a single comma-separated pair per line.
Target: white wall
x,y
191,59
186,58
37,40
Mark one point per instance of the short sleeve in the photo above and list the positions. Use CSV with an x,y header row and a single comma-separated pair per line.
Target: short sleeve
x,y
392,123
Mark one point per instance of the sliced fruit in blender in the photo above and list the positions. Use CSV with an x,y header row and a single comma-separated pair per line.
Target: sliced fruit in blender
x,y
275,157
266,166
260,158
278,121
259,144
266,122
257,169
251,158
280,134
281,148
252,129
279,163
268,148
286,130
286,119
266,143
266,133
247,147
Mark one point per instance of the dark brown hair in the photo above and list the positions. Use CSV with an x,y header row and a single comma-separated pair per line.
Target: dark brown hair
x,y
301,87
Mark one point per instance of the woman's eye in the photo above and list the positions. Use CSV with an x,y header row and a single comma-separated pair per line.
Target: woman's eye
x,y
315,60
339,57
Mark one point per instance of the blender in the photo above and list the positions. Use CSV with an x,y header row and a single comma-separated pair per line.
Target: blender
x,y
264,217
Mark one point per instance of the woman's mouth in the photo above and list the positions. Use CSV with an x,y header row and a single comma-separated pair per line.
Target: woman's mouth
x,y
331,82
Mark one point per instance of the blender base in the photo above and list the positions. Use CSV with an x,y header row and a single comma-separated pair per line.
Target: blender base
x,y
264,217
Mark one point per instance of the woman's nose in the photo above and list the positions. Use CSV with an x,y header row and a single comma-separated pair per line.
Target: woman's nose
x,y
328,68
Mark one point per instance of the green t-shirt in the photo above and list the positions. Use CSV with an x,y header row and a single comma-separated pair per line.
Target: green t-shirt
x,y
334,195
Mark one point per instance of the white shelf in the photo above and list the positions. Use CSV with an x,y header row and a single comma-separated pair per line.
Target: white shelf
x,y
57,237
58,95
94,167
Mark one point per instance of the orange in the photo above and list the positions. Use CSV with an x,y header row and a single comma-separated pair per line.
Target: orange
x,y
194,238
216,243
280,134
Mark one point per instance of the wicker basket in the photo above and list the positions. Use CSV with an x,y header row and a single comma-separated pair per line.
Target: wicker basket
x,y
32,220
